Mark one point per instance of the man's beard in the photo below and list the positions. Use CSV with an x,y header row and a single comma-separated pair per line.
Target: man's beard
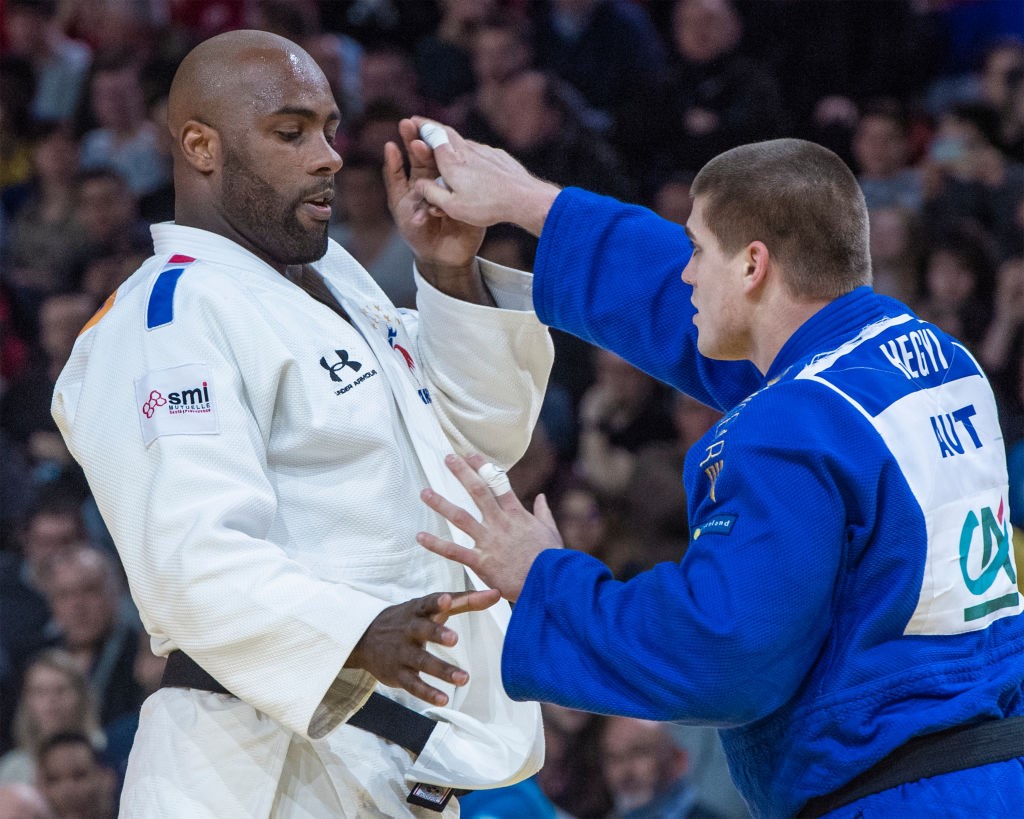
x,y
254,209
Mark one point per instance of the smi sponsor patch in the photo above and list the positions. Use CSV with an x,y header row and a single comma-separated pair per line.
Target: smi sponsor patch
x,y
176,401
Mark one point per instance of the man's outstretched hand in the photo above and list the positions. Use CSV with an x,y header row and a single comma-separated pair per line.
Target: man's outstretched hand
x,y
393,649
507,540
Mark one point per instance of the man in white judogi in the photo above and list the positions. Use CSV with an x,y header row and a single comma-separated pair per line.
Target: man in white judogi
x,y
258,455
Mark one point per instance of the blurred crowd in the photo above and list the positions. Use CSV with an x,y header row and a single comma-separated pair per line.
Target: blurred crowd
x,y
923,98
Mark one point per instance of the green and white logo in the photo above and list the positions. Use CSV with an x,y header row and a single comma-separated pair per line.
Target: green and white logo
x,y
984,553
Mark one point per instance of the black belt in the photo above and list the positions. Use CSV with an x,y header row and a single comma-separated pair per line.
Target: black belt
x,y
955,749
379,715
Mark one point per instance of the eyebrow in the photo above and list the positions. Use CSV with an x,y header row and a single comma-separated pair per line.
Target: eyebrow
x,y
690,236
305,113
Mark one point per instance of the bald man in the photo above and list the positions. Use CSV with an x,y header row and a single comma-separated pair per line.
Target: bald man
x,y
256,421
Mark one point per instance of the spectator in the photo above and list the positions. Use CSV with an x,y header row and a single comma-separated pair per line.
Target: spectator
x,y
377,126
500,50
967,176
654,503
108,212
125,139
45,241
1001,75
537,122
958,278
583,521
22,801
54,698
443,58
368,231
1007,322
881,148
25,406
387,73
158,204
51,527
59,63
712,98
85,594
708,769
646,772
74,779
375,22
896,257
605,49
620,412
571,776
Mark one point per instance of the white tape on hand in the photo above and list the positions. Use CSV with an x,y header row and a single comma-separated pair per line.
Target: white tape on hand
x,y
433,134
495,478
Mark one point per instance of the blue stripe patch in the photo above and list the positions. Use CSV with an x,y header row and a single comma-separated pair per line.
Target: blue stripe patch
x,y
160,310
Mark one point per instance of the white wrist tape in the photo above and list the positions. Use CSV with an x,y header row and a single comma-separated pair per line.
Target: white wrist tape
x,y
495,478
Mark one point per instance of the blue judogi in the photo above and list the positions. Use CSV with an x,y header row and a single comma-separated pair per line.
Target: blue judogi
x,y
850,582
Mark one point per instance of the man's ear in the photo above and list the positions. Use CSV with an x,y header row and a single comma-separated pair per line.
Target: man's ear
x,y
200,145
757,259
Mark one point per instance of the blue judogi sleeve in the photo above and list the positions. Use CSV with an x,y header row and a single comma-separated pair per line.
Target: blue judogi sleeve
x,y
610,274
707,639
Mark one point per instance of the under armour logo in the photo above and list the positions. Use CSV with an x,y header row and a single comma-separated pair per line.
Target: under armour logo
x,y
340,365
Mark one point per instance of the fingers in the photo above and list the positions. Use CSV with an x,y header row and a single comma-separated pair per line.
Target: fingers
x,y
458,516
466,472
543,512
431,191
473,601
445,548
455,139
395,181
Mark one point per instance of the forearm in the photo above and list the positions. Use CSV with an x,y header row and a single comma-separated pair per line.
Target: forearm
x,y
460,282
530,205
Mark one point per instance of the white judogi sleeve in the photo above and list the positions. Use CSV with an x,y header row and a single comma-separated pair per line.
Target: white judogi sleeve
x,y
488,368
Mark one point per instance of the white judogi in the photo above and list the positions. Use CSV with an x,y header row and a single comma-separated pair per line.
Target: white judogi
x,y
258,461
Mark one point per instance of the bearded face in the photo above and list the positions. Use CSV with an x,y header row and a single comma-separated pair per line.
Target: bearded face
x,y
268,211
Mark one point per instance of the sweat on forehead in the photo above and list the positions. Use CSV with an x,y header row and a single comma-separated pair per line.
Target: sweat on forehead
x,y
235,69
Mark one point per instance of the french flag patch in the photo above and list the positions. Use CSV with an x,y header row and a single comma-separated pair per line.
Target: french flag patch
x,y
160,308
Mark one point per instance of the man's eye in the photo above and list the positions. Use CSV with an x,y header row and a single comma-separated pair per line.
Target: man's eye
x,y
288,136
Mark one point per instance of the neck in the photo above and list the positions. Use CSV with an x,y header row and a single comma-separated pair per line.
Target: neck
x,y
775,324
187,214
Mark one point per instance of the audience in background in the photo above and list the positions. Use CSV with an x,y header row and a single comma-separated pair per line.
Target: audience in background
x,y
124,138
712,96
85,592
625,97
74,778
54,698
881,149
59,63
646,771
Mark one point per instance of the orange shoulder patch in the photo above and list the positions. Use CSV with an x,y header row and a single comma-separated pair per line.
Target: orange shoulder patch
x,y
99,313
